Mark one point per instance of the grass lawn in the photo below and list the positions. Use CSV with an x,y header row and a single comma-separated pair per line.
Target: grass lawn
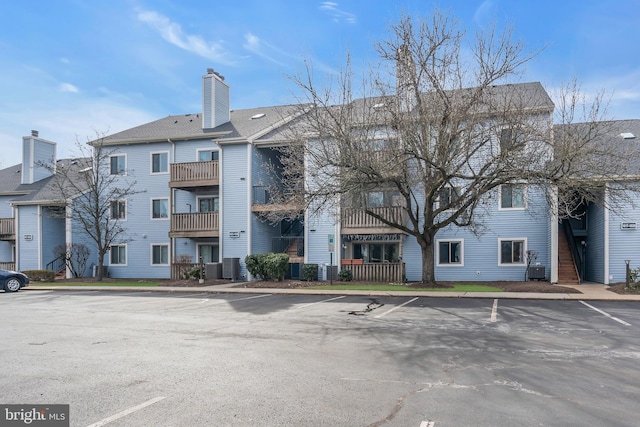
x,y
372,287
112,283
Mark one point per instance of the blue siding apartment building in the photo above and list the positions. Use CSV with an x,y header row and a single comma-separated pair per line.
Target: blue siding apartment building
x,y
203,181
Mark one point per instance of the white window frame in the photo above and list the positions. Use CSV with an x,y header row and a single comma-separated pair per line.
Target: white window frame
x,y
198,245
524,251
450,264
124,201
198,198
153,199
153,245
519,134
209,150
126,255
151,154
124,172
451,189
513,208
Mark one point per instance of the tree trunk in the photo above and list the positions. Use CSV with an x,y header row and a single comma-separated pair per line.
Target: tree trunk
x,y
100,268
428,265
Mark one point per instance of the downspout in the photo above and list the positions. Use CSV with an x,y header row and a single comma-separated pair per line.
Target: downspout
x,y
220,202
172,241
69,236
554,237
607,278
250,148
39,216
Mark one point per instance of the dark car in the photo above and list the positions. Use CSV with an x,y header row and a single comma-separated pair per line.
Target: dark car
x,y
12,281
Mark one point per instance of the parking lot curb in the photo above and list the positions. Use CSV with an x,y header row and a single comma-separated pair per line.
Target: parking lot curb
x,y
588,292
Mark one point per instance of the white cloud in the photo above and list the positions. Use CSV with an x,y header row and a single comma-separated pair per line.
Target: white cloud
x,y
172,32
338,15
68,87
263,49
485,13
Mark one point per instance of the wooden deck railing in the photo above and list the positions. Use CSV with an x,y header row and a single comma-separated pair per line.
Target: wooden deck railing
x,y
195,173
6,228
357,218
7,265
376,272
199,221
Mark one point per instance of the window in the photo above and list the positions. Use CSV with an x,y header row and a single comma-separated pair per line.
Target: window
x,y
376,199
512,251
447,196
118,209
208,204
159,162
160,254
511,139
450,252
376,252
118,164
205,156
118,255
209,253
512,196
159,208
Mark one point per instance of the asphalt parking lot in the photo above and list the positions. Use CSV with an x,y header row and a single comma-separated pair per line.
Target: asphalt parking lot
x,y
195,359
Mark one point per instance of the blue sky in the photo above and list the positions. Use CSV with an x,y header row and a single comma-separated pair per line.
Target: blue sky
x,y
69,67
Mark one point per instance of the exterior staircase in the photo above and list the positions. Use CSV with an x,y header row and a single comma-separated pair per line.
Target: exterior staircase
x,y
567,271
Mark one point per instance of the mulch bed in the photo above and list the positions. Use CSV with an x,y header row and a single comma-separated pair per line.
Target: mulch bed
x,y
533,286
544,287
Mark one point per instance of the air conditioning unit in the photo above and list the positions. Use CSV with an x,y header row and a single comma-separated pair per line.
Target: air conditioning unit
x,y
536,272
231,268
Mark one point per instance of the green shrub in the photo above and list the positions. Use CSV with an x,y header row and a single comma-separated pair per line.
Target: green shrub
x,y
194,272
310,272
40,275
345,275
256,265
267,266
276,266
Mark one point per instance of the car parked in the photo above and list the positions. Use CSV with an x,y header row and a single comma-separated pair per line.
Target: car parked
x,y
12,281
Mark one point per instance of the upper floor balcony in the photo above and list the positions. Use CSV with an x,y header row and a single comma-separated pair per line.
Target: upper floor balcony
x,y
356,221
6,229
263,202
191,225
194,174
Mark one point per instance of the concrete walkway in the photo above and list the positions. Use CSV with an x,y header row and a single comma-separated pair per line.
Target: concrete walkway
x,y
589,292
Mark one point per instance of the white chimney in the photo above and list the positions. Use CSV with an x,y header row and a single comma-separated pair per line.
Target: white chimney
x,y
215,100
405,79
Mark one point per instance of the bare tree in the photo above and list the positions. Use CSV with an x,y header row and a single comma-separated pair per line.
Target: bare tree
x,y
75,257
434,126
93,191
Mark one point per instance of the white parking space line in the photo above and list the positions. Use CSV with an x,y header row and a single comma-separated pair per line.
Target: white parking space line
x,y
494,310
318,302
395,308
606,314
126,412
427,424
255,296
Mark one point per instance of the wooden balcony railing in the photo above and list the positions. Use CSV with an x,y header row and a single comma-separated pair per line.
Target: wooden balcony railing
x,y
392,272
200,224
7,265
6,229
194,174
356,220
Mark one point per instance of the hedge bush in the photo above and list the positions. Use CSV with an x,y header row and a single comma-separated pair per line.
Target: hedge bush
x,y
345,275
40,275
310,272
268,266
